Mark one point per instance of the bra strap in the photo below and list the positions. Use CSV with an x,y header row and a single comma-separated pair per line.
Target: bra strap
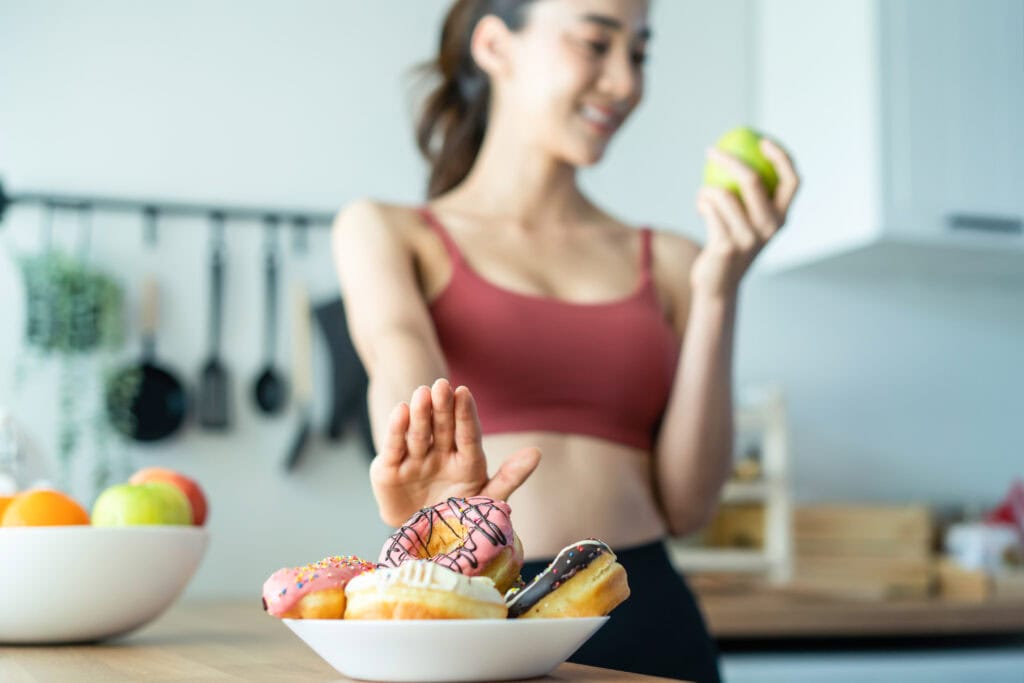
x,y
645,250
449,244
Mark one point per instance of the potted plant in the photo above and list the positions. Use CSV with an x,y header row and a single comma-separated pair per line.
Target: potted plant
x,y
74,314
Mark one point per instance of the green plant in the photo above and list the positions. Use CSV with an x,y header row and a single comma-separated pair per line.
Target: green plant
x,y
75,314
70,307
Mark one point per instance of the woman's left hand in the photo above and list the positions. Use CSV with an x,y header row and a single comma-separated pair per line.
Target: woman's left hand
x,y
738,230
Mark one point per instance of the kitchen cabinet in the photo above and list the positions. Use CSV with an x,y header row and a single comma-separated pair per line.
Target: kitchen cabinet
x,y
906,122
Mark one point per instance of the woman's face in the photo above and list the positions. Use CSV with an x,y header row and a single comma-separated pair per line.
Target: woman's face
x,y
576,71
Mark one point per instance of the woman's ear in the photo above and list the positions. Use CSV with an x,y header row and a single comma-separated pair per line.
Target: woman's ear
x,y
489,46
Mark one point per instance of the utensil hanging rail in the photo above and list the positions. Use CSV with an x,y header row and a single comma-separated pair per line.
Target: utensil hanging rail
x,y
163,207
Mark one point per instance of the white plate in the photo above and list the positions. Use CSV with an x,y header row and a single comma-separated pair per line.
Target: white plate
x,y
445,649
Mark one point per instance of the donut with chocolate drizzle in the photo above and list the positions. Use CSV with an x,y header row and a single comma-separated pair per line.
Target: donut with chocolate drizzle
x,y
472,536
584,580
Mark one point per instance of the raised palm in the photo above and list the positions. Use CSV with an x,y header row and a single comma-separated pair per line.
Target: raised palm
x,y
433,450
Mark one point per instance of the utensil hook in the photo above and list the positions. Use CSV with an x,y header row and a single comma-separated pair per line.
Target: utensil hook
x,y
151,216
84,229
49,215
270,262
217,274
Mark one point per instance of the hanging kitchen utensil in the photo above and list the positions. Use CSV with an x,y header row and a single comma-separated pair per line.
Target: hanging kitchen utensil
x,y
146,402
349,381
270,389
214,387
300,234
302,373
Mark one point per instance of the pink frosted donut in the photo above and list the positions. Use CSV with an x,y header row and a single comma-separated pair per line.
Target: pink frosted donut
x,y
472,536
315,591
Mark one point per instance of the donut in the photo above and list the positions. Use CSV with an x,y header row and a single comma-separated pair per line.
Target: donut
x,y
315,591
422,589
472,536
584,580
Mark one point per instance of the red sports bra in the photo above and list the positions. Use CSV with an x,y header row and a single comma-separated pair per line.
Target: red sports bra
x,y
537,363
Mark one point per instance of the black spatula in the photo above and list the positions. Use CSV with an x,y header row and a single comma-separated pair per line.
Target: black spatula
x,y
214,385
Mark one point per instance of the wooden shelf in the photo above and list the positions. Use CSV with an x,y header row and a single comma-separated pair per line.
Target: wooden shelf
x,y
697,559
760,423
748,491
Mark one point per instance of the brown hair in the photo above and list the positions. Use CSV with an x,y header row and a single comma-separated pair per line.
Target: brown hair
x,y
451,126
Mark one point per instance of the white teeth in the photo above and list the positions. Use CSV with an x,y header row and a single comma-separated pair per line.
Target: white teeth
x,y
597,116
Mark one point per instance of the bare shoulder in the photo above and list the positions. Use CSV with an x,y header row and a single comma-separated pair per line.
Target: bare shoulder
x,y
671,248
673,255
366,219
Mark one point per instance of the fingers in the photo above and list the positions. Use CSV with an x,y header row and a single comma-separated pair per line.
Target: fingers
x,y
718,234
789,179
733,219
468,434
759,206
394,450
443,408
512,473
419,435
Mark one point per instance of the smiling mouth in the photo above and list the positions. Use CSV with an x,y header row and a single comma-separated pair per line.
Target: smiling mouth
x,y
603,121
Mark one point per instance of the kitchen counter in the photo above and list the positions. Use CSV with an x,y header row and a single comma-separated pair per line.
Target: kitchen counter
x,y
771,613
231,641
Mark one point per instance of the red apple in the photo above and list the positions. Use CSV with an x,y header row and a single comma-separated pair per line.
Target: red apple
x,y
188,486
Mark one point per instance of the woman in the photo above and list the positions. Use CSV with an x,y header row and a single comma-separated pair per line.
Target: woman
x,y
607,348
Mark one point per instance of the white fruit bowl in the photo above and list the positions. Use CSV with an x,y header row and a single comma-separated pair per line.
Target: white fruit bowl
x,y
82,583
445,649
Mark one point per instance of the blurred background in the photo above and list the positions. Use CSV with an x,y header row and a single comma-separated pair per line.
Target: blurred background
x,y
879,343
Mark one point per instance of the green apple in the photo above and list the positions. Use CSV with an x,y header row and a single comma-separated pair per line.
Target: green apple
x,y
742,143
151,503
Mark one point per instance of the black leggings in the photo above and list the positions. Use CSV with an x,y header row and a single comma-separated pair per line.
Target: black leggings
x,y
658,630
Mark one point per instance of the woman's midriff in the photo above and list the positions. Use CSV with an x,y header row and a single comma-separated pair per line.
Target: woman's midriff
x,y
584,487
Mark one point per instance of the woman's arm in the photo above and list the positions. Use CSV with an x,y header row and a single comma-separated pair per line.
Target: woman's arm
x,y
387,318
693,453
431,447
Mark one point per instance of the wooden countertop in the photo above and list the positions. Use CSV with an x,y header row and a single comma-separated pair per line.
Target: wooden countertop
x,y
767,613
230,641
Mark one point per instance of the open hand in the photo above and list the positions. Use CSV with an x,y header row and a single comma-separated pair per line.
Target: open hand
x,y
433,450
738,230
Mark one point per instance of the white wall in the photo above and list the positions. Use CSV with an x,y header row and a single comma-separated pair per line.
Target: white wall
x,y
901,389
266,103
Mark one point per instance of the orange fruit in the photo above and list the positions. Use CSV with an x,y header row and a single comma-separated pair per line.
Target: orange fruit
x,y
4,502
43,507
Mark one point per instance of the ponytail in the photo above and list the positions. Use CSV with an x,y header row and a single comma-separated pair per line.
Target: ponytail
x,y
453,120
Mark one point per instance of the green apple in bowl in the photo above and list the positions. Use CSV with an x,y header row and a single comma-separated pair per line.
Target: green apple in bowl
x,y
744,144
135,504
